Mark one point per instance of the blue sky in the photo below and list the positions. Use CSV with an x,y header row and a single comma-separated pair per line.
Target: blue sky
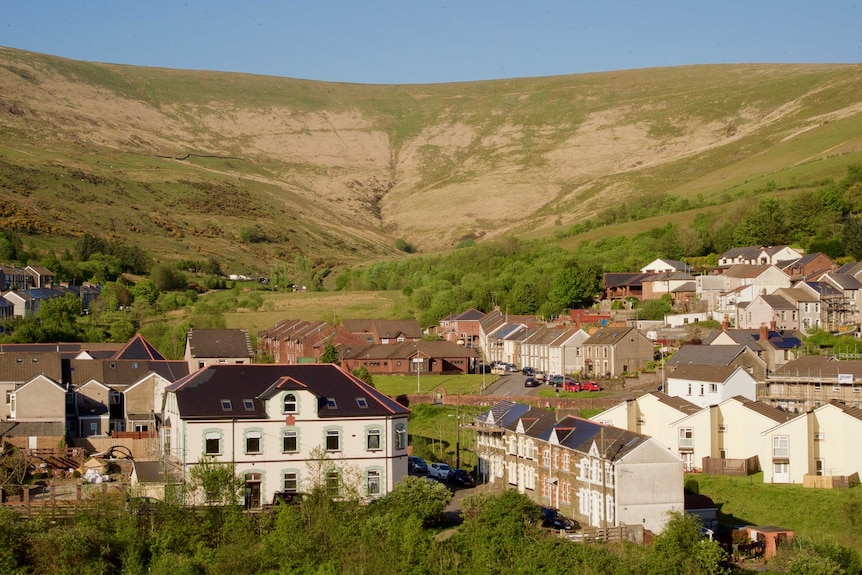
x,y
416,41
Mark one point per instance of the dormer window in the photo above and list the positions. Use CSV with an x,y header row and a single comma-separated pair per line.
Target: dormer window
x,y
226,405
330,403
248,404
362,403
290,403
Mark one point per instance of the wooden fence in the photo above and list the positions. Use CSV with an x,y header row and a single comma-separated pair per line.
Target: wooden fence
x,y
719,466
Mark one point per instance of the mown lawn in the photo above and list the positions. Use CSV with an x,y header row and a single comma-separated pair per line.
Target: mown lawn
x,y
447,384
816,514
433,432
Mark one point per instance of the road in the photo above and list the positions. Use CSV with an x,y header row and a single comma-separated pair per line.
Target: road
x,y
512,385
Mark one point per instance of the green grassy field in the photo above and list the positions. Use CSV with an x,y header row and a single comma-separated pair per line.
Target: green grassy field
x,y
445,384
815,514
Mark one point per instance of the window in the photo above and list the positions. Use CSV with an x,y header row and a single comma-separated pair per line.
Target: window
x,y
373,483
252,442
818,467
362,402
291,482
836,387
546,458
225,405
115,398
686,437
722,429
400,436
780,446
333,440
248,404
333,482
701,390
330,403
372,439
213,444
289,441
8,397
722,454
289,403
566,461
817,386
713,388
689,389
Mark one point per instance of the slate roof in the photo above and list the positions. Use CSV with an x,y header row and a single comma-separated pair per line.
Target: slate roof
x,y
776,301
818,366
852,268
846,281
615,280
219,343
712,373
849,410
706,355
200,394
121,373
502,413
746,270
675,402
608,336
471,314
32,428
21,366
138,348
765,409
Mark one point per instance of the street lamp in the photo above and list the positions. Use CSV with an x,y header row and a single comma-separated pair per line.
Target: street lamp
x,y
417,363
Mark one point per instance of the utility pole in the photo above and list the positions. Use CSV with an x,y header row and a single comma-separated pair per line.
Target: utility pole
x,y
458,433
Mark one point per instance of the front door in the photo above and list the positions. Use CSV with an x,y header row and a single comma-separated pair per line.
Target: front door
x,y
252,490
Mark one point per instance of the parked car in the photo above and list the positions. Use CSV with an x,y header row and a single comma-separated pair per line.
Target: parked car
x,y
438,471
571,385
460,478
532,382
540,375
417,465
553,519
590,386
511,368
556,380
527,370
483,368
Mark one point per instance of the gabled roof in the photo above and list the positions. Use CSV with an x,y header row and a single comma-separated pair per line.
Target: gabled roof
x,y
854,412
219,343
845,281
581,435
675,402
471,314
746,271
776,301
852,268
200,395
764,409
614,280
690,354
138,348
668,276
609,336
818,366
711,373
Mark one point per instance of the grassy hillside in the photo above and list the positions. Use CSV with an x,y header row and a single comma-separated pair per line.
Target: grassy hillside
x,y
185,163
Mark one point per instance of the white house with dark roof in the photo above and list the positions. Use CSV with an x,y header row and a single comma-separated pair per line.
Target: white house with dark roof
x,y
757,255
705,385
288,428
728,355
661,265
598,475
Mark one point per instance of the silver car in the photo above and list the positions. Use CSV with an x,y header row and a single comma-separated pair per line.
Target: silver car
x,y
438,471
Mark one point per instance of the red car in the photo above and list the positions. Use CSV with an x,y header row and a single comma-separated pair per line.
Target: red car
x,y
571,385
590,386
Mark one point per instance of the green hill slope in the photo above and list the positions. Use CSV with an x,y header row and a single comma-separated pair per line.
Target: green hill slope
x,y
187,164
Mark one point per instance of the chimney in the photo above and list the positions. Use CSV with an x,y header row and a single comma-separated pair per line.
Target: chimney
x,y
764,332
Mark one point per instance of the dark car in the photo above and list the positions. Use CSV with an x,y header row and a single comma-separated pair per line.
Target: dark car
x,y
556,380
553,519
459,477
532,382
417,465
483,368
527,371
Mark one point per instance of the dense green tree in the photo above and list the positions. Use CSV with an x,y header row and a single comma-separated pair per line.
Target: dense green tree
x,y
330,354
574,287
852,237
362,373
765,226
167,278
681,549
